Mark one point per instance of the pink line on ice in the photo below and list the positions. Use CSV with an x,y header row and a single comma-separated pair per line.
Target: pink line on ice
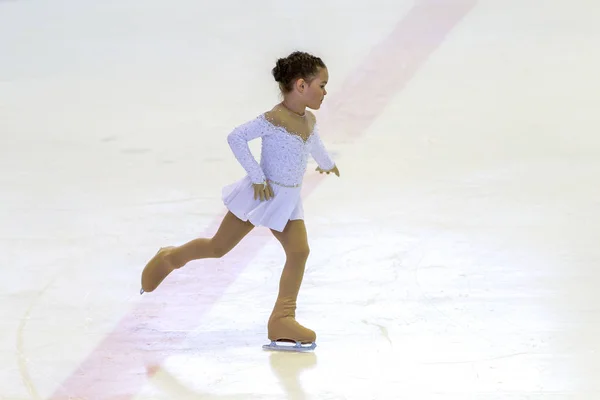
x,y
118,367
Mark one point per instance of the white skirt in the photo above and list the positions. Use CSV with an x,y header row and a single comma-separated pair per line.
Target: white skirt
x,y
274,213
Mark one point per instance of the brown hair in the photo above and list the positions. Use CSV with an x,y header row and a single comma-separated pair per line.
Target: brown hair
x,y
295,66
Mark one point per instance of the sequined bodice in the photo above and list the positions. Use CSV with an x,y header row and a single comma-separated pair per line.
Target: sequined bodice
x,y
284,155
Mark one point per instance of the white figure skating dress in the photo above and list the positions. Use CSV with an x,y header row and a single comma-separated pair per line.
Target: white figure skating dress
x,y
283,162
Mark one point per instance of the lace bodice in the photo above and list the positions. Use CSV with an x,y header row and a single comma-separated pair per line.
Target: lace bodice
x,y
284,156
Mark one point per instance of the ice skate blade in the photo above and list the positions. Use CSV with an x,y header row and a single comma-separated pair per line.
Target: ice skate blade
x,y
286,346
141,291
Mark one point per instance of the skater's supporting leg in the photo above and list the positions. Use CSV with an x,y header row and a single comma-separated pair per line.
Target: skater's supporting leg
x,y
282,323
295,244
231,231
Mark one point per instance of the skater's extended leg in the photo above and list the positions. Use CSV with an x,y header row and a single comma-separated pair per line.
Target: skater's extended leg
x,y
282,323
231,231
229,234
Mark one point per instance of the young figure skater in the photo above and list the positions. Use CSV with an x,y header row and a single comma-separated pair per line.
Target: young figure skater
x,y
269,195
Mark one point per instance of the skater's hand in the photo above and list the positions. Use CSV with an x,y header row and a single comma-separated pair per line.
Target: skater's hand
x,y
263,192
334,170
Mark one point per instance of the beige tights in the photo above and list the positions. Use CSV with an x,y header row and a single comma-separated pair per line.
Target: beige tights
x,y
282,323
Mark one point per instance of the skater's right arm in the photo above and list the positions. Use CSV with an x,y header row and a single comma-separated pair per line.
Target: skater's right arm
x,y
238,142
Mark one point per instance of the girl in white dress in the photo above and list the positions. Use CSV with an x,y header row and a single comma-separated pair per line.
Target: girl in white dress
x,y
269,194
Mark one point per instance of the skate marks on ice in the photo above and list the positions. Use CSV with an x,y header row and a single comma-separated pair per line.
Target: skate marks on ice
x,y
23,360
383,330
286,368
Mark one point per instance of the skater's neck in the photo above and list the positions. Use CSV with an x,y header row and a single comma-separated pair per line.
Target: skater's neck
x,y
294,106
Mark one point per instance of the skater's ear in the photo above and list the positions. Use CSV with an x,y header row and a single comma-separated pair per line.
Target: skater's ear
x,y
301,85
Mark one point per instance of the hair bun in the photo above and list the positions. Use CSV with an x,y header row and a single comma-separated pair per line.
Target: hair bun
x,y
280,70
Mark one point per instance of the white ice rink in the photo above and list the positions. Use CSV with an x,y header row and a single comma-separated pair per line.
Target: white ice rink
x,y
457,257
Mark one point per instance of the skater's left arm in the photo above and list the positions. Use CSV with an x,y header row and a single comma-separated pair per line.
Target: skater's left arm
x,y
321,155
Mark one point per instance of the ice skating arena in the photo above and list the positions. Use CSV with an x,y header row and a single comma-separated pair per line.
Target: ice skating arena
x,y
455,258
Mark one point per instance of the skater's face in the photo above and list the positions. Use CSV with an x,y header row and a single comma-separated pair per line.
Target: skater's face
x,y
313,92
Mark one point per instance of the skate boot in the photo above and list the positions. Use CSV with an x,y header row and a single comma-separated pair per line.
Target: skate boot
x,y
283,329
157,269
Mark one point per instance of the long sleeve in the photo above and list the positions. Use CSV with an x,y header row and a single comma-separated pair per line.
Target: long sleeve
x,y
238,142
320,154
